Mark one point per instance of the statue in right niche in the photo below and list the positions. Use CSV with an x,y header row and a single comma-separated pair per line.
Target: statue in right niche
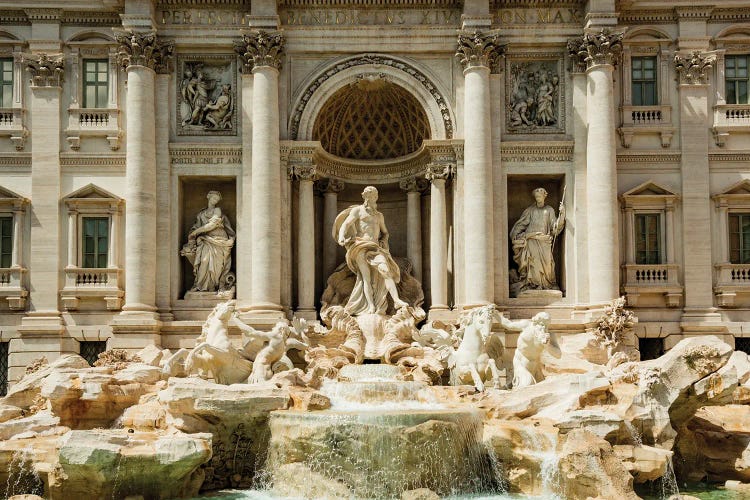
x,y
533,237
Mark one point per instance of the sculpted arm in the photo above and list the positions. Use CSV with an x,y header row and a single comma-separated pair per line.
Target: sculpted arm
x,y
345,228
558,223
384,235
515,326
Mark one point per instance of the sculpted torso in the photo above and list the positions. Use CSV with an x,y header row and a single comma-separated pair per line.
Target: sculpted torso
x,y
367,223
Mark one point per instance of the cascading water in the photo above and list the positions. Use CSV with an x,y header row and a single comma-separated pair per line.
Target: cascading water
x,y
22,477
381,437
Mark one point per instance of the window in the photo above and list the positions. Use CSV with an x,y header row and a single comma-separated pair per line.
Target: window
x,y
643,80
6,83
6,241
650,348
90,350
648,238
739,238
736,77
95,83
95,242
742,344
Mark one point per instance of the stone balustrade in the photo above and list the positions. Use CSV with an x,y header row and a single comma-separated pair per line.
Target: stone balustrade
x,y
655,119
101,283
652,279
730,118
731,279
11,125
84,122
11,287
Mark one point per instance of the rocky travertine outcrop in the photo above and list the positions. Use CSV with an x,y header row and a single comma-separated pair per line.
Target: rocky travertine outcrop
x,y
590,468
116,464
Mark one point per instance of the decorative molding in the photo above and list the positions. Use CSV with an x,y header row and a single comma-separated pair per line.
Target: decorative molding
x,y
640,18
729,156
16,160
729,16
89,18
303,171
415,4
593,49
45,70
694,11
372,59
13,17
650,158
43,15
480,49
694,70
70,160
260,48
144,49
536,152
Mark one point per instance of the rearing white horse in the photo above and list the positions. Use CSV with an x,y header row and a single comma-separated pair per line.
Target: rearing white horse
x,y
475,361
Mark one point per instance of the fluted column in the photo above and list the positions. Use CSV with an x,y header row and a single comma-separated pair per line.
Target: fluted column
x,y
600,53
437,175
478,53
140,53
330,189
414,188
305,174
260,53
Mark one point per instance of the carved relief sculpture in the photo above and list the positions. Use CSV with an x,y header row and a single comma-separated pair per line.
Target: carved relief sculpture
x,y
533,237
534,97
209,250
361,230
206,97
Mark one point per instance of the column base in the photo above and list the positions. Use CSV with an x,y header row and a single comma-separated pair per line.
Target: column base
x,y
42,323
309,314
440,312
134,330
702,321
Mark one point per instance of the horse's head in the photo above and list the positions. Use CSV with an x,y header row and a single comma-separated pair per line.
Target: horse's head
x,y
481,319
224,310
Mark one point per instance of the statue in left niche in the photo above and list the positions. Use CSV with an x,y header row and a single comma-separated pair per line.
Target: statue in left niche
x,y
209,250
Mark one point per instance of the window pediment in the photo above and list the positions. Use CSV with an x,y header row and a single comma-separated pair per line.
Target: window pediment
x,y
649,195
11,200
92,196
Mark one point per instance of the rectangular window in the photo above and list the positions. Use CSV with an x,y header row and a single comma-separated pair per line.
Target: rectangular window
x,y
739,238
95,83
95,242
736,77
90,350
648,239
643,81
650,348
6,241
6,83
4,368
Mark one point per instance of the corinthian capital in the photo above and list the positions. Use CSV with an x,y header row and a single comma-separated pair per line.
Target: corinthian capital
x,y
329,185
693,70
413,185
593,49
479,49
143,49
303,172
45,70
260,48
439,171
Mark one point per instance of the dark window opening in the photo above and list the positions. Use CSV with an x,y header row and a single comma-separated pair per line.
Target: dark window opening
x,y
651,348
90,350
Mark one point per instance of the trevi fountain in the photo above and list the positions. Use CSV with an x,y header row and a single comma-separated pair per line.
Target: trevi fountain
x,y
373,401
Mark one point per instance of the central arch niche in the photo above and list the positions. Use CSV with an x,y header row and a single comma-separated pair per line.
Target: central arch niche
x,y
371,119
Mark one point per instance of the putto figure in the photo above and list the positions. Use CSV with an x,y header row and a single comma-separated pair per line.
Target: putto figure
x,y
533,237
209,250
361,230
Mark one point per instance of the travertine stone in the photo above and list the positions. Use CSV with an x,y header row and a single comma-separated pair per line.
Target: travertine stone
x,y
330,189
438,175
306,175
414,188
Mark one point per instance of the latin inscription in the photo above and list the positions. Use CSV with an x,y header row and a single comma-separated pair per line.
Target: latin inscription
x,y
374,17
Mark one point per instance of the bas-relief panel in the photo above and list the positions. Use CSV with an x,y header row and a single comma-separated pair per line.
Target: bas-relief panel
x,y
535,94
206,95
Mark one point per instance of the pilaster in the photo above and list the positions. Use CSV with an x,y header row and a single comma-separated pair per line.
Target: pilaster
x,y
414,187
306,175
692,72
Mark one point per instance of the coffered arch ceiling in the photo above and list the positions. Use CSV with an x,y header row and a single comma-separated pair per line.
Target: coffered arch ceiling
x,y
371,119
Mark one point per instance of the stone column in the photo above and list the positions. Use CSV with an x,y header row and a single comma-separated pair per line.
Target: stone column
x,y
693,70
478,53
140,54
17,257
164,253
305,174
330,189
437,175
260,53
414,188
600,53
72,237
629,235
43,317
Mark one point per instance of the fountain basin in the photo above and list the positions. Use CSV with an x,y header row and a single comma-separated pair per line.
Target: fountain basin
x,y
379,454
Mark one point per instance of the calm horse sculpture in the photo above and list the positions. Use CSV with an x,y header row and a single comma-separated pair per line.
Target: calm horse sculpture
x,y
476,359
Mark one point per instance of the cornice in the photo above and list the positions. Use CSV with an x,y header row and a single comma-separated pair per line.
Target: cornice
x,y
509,4
198,154
369,4
43,15
694,12
648,17
730,156
23,160
89,18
